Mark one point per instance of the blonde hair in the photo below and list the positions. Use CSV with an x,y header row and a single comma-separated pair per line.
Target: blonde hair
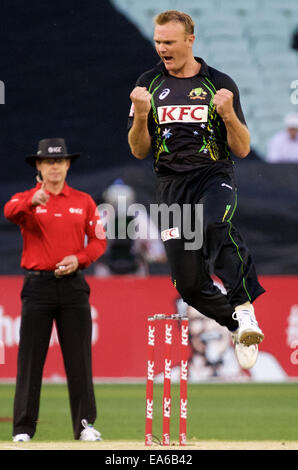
x,y
178,16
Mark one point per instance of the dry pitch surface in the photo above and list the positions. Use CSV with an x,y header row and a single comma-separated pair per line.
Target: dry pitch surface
x,y
126,445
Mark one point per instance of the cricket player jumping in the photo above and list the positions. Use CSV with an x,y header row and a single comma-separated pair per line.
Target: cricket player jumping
x,y
191,117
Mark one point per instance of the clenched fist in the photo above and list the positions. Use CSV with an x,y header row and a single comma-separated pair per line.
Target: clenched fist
x,y
40,197
141,99
223,101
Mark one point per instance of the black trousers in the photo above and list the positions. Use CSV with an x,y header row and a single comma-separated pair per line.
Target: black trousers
x,y
223,251
65,300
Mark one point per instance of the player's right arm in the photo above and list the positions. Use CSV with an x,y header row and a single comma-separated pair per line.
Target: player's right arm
x,y
139,138
22,204
18,207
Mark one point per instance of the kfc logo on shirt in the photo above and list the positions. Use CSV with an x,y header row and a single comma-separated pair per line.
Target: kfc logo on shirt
x,y
179,113
170,233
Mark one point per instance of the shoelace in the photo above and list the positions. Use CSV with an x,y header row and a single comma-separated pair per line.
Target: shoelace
x,y
85,424
90,427
240,319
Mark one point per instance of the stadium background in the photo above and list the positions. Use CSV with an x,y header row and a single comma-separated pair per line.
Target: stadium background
x,y
68,68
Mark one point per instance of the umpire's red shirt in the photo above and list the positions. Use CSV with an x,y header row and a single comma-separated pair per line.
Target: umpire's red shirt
x,y
68,224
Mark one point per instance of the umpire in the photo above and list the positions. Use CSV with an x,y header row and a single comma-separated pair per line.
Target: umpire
x,y
54,220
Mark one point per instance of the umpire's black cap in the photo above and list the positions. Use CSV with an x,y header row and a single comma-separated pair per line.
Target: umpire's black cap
x,y
51,148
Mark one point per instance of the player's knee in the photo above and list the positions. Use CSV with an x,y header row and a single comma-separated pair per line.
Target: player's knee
x,y
190,294
215,234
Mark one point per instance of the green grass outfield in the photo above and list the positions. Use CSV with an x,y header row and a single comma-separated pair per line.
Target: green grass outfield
x,y
224,412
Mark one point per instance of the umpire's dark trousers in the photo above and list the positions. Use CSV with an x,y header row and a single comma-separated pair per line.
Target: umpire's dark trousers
x,y
65,300
223,251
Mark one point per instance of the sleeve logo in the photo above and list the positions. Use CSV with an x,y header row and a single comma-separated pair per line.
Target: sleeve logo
x,y
170,233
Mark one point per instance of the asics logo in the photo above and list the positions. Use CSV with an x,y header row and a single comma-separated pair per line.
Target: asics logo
x,y
164,93
227,185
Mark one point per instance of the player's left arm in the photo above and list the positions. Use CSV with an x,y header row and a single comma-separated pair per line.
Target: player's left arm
x,y
95,236
238,136
95,243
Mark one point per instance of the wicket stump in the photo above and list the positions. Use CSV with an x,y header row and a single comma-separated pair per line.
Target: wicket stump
x,y
167,400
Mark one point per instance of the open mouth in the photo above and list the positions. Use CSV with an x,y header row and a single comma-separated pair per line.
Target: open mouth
x,y
167,58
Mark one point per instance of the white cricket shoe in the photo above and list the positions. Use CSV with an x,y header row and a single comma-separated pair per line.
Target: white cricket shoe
x,y
89,433
249,331
246,355
21,438
246,338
